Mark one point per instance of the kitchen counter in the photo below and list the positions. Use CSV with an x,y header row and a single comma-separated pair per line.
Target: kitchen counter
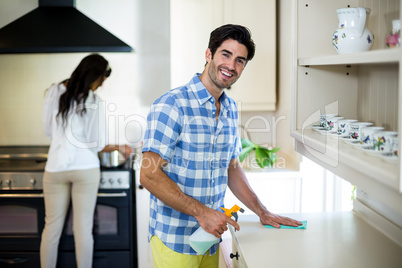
x,y
333,239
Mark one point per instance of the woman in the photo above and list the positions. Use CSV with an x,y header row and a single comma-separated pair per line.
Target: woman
x,y
74,119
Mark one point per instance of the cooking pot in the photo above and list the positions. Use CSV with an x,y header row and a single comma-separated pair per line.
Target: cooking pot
x,y
111,159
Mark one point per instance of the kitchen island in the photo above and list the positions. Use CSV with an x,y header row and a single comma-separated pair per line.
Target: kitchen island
x,y
333,239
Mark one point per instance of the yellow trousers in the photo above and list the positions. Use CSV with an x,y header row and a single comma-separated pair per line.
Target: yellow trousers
x,y
164,257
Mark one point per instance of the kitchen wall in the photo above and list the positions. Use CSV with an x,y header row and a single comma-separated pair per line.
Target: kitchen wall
x,y
25,77
137,78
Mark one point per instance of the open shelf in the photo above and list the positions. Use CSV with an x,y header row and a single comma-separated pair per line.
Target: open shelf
x,y
340,157
370,57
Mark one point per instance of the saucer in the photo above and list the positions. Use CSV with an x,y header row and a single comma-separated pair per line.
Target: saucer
x,y
358,145
346,138
319,129
335,135
390,158
370,151
326,132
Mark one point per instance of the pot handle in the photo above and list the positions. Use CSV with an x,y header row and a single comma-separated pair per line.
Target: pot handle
x,y
362,21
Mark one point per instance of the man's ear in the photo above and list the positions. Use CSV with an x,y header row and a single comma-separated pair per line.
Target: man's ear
x,y
208,55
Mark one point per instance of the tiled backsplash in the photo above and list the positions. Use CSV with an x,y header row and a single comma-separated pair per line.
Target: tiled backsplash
x,y
25,77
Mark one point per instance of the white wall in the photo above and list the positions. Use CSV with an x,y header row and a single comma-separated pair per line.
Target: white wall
x,y
24,77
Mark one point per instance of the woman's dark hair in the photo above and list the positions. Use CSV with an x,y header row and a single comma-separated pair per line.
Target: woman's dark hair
x,y
231,31
90,69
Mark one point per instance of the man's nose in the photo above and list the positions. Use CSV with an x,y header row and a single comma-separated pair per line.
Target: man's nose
x,y
232,64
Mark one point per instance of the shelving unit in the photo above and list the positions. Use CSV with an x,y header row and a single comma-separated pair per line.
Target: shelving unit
x,y
384,56
364,86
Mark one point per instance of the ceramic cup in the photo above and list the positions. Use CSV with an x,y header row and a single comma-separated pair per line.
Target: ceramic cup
x,y
367,135
344,125
383,140
355,129
395,145
324,117
331,124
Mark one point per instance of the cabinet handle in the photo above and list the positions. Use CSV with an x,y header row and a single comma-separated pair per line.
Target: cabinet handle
x,y
13,261
233,255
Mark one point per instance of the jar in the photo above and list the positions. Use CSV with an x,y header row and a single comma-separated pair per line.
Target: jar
x,y
393,38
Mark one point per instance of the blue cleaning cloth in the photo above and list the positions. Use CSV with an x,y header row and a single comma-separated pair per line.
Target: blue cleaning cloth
x,y
303,226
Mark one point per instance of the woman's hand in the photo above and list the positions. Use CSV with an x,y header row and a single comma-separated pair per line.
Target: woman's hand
x,y
126,150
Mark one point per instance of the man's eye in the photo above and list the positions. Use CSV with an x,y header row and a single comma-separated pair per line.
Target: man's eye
x,y
240,61
226,55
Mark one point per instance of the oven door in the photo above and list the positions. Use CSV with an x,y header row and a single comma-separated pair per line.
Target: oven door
x,y
111,222
21,220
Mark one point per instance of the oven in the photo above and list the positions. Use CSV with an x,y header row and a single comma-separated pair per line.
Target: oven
x,y
22,214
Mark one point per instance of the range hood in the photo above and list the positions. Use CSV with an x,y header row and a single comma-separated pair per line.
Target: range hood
x,y
56,26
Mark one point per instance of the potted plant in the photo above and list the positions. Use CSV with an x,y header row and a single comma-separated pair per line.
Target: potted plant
x,y
264,156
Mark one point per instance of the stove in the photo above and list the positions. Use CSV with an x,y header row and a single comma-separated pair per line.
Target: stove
x,y
22,213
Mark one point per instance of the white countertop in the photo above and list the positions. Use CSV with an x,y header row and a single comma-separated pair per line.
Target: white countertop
x,y
333,239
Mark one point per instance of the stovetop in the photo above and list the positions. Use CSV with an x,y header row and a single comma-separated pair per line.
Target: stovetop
x,y
22,168
23,158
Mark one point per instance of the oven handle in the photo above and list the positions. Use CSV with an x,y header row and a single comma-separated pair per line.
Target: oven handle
x,y
21,195
13,261
122,194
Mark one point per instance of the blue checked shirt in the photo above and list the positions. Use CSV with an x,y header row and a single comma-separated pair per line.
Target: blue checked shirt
x,y
183,130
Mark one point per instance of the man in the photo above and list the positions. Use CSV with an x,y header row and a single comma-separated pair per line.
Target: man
x,y
190,155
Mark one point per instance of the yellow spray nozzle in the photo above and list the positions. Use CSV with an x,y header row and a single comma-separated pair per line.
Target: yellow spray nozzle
x,y
233,211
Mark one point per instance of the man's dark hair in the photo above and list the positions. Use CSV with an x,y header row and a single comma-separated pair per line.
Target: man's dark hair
x,y
231,31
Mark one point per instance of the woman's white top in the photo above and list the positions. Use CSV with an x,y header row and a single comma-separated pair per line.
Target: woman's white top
x,y
74,145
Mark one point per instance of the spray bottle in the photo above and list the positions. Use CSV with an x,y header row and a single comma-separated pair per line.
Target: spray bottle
x,y
201,240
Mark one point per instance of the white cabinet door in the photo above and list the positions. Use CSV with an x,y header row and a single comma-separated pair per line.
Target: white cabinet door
x,y
142,206
191,24
256,89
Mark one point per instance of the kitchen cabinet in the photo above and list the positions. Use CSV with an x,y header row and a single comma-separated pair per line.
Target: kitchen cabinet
x,y
333,239
191,24
142,197
364,86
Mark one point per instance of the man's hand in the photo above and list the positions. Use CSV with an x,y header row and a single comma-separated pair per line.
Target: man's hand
x,y
268,218
215,222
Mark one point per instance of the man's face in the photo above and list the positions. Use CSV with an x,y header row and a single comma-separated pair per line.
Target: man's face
x,y
227,64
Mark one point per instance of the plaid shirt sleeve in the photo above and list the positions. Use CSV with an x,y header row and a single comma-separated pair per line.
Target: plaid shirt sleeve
x,y
163,128
237,147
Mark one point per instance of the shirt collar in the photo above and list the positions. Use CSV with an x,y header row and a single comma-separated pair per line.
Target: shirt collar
x,y
202,94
